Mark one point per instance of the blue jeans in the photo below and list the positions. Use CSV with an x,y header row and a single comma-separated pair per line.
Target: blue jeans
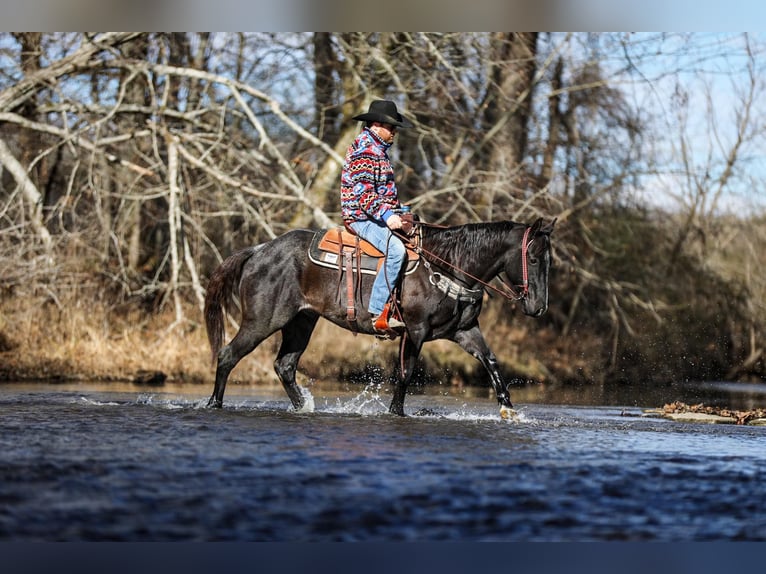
x,y
396,254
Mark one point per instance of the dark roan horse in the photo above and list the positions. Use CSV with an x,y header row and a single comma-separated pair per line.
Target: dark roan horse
x,y
280,288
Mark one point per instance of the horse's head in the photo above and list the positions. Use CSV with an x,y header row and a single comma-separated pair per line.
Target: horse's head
x,y
538,262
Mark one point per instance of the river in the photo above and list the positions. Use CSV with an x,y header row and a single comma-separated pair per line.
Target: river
x,y
83,462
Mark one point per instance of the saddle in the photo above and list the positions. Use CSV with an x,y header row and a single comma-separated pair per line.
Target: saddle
x,y
339,249
329,246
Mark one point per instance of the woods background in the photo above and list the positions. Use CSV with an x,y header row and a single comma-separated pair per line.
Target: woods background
x,y
133,163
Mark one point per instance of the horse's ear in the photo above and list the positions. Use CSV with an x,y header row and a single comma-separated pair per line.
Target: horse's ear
x,y
536,227
548,229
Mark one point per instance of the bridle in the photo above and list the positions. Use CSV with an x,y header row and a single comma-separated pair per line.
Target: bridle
x,y
513,293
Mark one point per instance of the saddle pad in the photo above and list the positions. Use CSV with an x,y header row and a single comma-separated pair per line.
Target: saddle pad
x,y
325,251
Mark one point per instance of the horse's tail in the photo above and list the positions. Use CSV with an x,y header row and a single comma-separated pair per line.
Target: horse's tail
x,y
220,295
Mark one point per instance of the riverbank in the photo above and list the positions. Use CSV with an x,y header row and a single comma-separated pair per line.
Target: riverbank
x,y
46,339
82,340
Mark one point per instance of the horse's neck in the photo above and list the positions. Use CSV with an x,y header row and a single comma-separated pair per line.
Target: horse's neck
x,y
478,251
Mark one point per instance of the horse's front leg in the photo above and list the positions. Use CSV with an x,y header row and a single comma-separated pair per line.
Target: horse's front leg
x,y
408,356
472,341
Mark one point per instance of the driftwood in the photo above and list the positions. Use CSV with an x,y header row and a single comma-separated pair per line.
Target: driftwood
x,y
739,417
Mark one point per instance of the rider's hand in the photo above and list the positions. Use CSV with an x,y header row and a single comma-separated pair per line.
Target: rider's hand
x,y
394,222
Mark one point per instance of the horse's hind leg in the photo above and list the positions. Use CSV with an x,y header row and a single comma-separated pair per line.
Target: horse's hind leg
x,y
295,338
243,343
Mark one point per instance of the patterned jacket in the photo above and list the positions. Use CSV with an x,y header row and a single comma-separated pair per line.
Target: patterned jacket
x,y
367,187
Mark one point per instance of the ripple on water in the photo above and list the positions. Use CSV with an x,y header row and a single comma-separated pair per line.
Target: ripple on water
x,y
98,465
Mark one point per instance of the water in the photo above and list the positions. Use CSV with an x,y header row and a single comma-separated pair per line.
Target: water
x,y
111,462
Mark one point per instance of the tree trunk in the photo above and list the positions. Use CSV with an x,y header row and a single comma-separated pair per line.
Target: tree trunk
x,y
325,102
507,111
135,87
554,125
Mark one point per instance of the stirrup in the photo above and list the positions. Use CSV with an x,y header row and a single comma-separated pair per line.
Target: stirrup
x,y
387,326
380,323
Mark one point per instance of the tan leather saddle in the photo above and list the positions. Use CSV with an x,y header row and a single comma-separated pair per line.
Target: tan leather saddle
x,y
329,246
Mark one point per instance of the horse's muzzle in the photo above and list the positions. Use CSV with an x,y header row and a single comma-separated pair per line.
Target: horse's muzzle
x,y
533,310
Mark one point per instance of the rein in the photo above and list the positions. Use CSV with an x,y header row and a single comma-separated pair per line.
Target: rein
x,y
458,292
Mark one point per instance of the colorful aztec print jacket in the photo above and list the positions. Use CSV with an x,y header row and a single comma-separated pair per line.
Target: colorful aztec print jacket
x,y
367,187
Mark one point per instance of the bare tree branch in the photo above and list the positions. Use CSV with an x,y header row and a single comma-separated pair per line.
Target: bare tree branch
x,y
18,93
29,192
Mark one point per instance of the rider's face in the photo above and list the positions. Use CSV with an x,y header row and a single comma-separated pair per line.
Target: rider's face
x,y
386,132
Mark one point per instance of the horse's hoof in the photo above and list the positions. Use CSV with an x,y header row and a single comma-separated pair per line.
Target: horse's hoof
x,y
508,414
213,404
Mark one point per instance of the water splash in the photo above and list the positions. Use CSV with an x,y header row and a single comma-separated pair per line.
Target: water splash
x,y
367,402
471,413
95,402
169,403
308,402
372,400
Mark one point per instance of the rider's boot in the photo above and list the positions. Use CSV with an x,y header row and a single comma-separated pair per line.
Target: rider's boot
x,y
383,323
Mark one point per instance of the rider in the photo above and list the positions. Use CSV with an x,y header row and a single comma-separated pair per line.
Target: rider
x,y
369,201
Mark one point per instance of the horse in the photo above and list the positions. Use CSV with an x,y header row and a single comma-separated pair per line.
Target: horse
x,y
280,288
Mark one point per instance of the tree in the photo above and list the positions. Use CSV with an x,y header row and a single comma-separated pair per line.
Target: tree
x,y
139,160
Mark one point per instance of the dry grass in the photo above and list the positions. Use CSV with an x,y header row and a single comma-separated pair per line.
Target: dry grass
x,y
78,339
82,338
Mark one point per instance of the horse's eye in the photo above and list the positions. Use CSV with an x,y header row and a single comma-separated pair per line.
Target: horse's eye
x,y
533,260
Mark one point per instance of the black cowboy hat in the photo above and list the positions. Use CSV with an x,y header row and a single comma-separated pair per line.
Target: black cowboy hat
x,y
384,111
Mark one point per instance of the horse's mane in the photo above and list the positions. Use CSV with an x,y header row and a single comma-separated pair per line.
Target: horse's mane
x,y
469,242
